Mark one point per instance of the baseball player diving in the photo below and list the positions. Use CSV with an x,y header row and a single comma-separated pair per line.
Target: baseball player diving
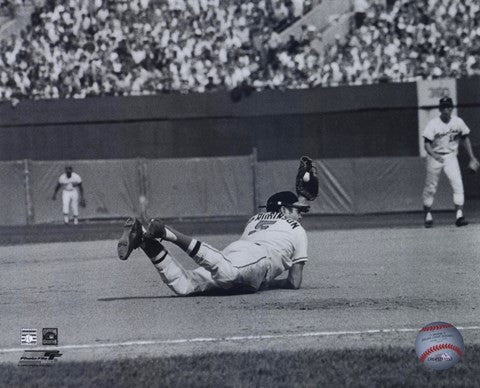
x,y
442,136
72,194
272,242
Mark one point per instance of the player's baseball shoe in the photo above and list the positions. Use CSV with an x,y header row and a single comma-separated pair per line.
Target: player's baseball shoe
x,y
131,238
156,229
461,221
428,223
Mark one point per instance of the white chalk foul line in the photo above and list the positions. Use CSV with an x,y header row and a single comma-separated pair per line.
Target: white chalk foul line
x,y
233,338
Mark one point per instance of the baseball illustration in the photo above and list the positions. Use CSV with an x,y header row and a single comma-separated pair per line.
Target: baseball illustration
x,y
439,345
306,177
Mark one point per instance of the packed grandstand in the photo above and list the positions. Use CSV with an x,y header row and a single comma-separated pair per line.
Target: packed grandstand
x,y
75,49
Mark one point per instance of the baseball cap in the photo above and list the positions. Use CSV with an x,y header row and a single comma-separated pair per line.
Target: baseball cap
x,y
285,198
445,102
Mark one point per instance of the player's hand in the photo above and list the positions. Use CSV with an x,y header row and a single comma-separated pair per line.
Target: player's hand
x,y
306,181
474,165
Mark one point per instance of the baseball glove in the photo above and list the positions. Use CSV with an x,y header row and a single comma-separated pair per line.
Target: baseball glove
x,y
82,202
473,165
307,179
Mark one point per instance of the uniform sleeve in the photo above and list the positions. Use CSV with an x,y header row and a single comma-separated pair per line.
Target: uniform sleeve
x,y
301,243
61,179
428,133
464,128
78,179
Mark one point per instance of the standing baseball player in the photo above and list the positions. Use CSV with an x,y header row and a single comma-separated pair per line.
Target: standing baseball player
x,y
442,136
272,242
72,194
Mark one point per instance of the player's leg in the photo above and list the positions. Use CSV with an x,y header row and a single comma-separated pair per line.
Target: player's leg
x,y
75,206
223,272
158,229
179,280
433,170
452,170
65,205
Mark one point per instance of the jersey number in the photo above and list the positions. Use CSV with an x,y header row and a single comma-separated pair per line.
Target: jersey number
x,y
262,225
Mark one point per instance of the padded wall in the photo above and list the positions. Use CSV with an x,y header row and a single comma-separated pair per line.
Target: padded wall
x,y
207,187
356,186
111,188
215,187
12,194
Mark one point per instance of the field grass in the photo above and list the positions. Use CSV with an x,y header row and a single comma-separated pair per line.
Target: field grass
x,y
390,366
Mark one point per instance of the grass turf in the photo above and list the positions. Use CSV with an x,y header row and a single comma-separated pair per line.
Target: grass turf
x,y
389,367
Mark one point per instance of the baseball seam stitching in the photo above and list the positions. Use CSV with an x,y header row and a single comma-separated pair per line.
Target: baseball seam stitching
x,y
435,348
437,327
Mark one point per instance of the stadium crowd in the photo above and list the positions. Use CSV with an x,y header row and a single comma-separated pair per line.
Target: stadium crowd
x,y
414,39
80,48
8,7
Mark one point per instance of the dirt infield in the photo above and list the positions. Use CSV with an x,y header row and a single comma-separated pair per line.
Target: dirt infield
x,y
369,285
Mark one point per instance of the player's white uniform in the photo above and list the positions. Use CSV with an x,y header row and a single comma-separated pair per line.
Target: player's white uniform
x,y
270,245
445,138
70,192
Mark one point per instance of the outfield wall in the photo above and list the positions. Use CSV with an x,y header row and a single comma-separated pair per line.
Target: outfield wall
x,y
339,122
210,187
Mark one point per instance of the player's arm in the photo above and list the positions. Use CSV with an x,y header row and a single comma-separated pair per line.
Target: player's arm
x,y
78,183
468,146
430,151
473,165
81,200
57,187
80,189
295,276
294,279
295,273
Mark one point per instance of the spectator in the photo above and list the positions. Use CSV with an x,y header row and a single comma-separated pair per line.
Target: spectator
x,y
360,11
77,49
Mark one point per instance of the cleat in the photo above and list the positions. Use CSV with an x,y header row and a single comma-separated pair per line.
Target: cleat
x,y
131,238
156,229
461,221
428,224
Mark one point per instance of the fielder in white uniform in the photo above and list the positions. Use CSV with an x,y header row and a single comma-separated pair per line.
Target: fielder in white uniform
x,y
442,136
272,243
72,193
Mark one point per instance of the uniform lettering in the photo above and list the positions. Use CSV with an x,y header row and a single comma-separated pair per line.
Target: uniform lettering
x,y
264,217
453,134
267,216
293,224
